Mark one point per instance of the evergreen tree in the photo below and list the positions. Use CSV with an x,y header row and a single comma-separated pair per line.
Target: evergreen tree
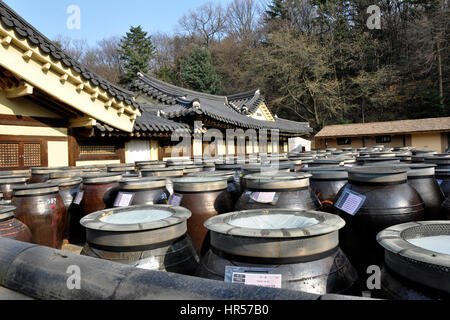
x,y
136,51
199,74
276,10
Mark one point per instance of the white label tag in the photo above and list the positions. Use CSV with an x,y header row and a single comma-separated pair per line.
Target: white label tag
x,y
175,200
260,280
78,197
123,199
439,181
264,197
350,202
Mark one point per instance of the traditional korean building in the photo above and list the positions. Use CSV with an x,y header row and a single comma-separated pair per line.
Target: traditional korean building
x,y
246,112
56,112
425,134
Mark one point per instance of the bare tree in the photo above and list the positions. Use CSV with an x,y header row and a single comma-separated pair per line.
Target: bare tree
x,y
74,48
242,18
206,22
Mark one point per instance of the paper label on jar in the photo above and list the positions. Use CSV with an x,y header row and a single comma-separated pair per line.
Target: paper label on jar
x,y
78,197
350,201
124,199
265,197
175,200
262,277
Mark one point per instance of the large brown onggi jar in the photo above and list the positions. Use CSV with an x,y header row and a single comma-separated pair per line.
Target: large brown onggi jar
x,y
299,248
233,181
205,197
445,208
278,190
42,209
422,178
12,228
326,182
443,179
68,190
441,160
168,173
142,191
99,191
127,168
389,200
147,237
41,175
7,183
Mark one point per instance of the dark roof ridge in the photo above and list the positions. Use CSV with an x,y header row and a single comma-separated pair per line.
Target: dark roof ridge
x,y
178,91
244,95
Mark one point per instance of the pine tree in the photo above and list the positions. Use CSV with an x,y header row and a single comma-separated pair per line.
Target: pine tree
x,y
199,74
136,51
276,10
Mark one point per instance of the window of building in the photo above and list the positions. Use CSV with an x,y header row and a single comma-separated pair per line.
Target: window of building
x,y
384,139
88,151
344,141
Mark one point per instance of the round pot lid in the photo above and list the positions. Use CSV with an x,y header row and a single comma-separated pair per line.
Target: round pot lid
x,y
136,218
420,252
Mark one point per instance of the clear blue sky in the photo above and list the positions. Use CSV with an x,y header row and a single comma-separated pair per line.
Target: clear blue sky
x,y
104,18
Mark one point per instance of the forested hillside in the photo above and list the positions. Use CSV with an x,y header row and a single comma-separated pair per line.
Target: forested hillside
x,y
322,61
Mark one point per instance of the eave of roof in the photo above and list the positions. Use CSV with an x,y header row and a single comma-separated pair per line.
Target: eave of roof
x,y
12,21
389,127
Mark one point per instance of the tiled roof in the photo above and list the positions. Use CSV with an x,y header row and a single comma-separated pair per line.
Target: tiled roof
x,y
12,21
232,109
217,111
389,127
149,122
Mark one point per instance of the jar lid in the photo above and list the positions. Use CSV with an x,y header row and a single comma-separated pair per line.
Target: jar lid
x,y
6,212
440,160
229,166
443,172
163,172
181,162
418,170
327,173
15,173
101,178
136,226
199,184
35,189
419,251
47,170
136,218
151,166
378,174
277,181
120,165
297,232
13,179
227,174
142,183
68,182
66,174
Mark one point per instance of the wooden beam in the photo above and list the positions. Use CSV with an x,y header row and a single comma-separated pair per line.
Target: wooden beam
x,y
82,122
23,90
32,121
